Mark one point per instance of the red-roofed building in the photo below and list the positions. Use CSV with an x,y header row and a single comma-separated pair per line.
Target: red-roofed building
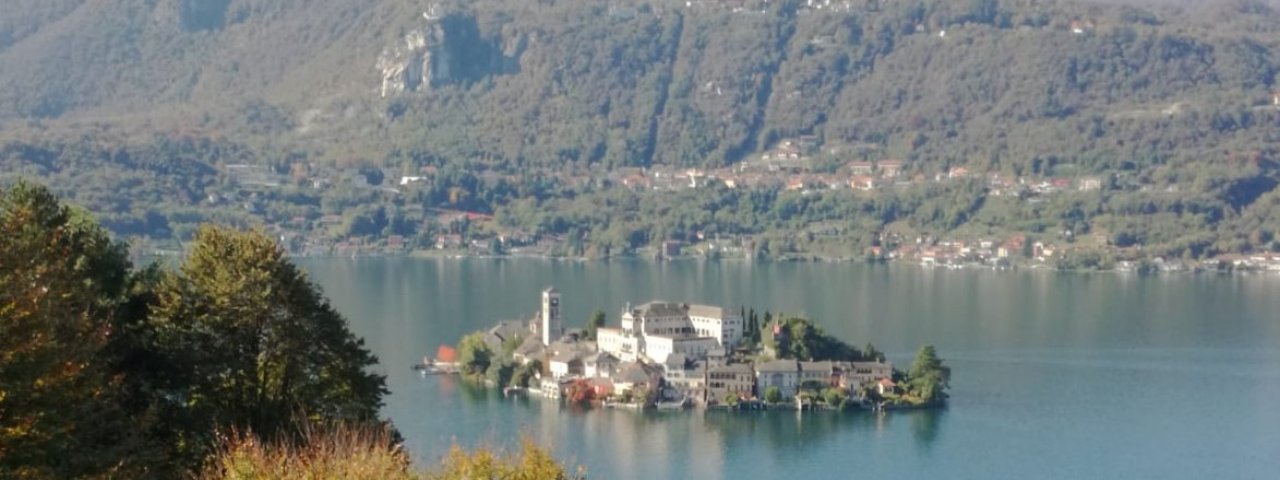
x,y
886,386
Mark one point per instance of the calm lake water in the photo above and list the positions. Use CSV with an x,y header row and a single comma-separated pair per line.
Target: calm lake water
x,y
1054,375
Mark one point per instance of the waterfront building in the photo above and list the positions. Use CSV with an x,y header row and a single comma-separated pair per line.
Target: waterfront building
x,y
784,374
823,373
737,379
657,329
635,374
682,373
856,374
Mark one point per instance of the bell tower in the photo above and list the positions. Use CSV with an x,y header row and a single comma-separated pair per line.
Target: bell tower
x,y
551,326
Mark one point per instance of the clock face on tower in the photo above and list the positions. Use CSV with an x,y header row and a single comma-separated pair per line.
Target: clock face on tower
x,y
555,302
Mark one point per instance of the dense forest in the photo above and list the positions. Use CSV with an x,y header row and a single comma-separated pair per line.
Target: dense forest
x,y
523,110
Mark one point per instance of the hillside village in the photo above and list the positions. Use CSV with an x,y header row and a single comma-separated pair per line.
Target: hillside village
x,y
796,166
678,355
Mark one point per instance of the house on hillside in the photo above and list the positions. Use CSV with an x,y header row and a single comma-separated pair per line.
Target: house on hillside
x,y
890,168
1089,184
861,168
863,182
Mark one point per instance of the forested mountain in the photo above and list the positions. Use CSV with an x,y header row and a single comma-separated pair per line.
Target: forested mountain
x,y
635,83
1179,96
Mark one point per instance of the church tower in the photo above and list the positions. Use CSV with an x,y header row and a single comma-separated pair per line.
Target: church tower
x,y
551,328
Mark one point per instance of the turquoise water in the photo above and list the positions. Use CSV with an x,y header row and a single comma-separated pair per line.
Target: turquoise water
x,y
1055,375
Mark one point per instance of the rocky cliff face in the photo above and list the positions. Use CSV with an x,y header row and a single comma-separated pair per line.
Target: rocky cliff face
x,y
445,49
406,66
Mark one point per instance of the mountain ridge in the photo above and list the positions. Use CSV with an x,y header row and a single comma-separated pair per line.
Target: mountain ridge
x,y
160,115
639,83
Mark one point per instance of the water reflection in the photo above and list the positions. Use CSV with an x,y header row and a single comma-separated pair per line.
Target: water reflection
x,y
924,427
1025,346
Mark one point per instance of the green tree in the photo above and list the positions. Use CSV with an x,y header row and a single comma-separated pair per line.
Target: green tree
x,y
63,283
773,394
835,397
928,378
526,373
474,354
500,373
510,345
254,346
870,353
594,322
731,399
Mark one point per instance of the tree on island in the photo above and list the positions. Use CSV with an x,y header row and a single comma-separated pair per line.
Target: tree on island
x,y
927,378
594,322
836,398
772,394
525,373
474,355
500,372
870,353
800,339
731,399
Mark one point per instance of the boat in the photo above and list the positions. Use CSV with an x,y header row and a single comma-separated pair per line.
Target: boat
x,y
675,405
431,366
515,391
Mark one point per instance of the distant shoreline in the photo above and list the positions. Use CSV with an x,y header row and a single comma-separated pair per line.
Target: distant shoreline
x,y
1181,267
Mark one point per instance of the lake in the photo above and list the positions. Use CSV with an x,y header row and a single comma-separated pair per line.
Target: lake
x,y
1054,375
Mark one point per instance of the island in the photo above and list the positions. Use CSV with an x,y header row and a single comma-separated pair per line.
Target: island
x,y
673,356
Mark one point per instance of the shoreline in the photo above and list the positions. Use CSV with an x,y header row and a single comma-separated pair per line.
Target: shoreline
x,y
1179,268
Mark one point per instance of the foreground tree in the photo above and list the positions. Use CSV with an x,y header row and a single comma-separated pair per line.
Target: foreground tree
x,y
62,285
254,346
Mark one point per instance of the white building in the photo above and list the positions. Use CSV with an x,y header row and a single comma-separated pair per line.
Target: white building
x,y
657,329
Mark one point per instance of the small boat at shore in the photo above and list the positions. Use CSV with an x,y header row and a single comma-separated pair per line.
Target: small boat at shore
x,y
674,405
430,366
515,392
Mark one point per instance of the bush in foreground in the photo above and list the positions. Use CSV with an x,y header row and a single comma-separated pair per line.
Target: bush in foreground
x,y
369,453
